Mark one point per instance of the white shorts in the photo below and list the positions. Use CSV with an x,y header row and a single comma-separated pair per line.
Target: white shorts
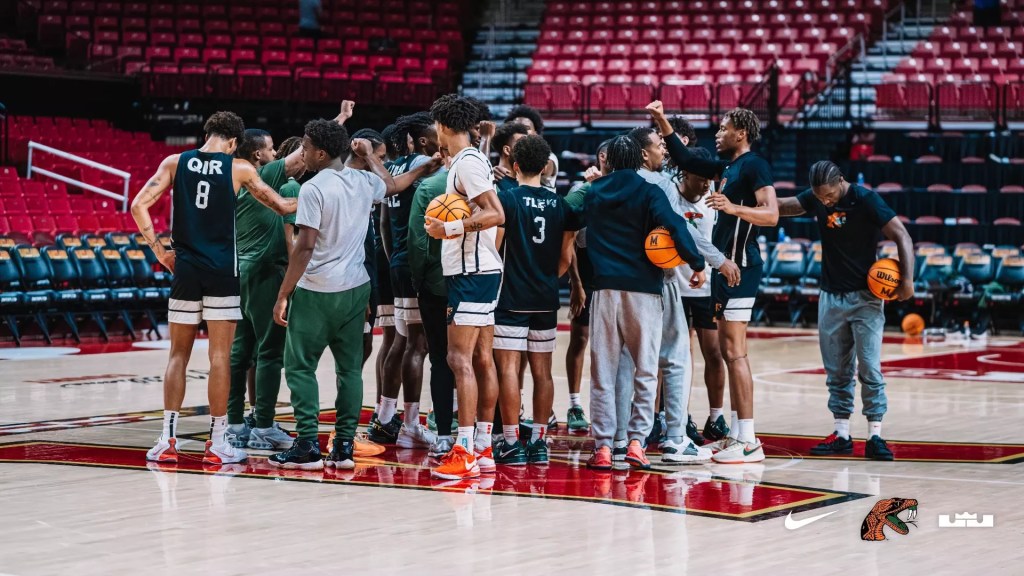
x,y
385,315
525,331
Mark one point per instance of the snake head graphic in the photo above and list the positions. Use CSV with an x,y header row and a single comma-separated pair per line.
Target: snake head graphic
x,y
886,513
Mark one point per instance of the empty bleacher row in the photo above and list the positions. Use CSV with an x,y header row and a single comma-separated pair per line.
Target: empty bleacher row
x,y
15,54
967,281
252,50
81,281
962,72
614,57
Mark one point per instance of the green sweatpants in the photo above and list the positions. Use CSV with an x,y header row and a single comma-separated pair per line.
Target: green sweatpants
x,y
319,320
259,341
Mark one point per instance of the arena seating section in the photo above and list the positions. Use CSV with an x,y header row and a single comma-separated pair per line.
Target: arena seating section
x,y
251,49
612,58
15,54
961,72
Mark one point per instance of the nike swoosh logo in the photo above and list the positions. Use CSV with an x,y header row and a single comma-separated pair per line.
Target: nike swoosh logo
x,y
749,452
793,524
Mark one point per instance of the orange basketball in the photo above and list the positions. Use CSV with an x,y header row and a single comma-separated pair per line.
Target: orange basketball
x,y
661,249
912,325
448,208
884,278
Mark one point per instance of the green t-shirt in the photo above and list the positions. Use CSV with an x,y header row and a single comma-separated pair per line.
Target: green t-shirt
x,y
259,231
575,199
424,251
290,190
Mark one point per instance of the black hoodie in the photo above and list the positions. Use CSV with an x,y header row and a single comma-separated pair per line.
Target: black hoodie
x,y
621,209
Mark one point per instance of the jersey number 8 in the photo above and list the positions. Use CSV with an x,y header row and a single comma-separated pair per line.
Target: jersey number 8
x,y
202,195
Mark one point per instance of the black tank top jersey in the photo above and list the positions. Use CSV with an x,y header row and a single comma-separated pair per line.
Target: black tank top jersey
x,y
203,212
737,238
398,211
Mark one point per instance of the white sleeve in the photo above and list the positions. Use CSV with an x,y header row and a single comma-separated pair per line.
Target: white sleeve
x,y
418,161
311,207
378,189
475,176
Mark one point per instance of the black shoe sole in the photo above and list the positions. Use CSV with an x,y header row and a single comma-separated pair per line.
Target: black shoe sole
x,y
831,452
879,457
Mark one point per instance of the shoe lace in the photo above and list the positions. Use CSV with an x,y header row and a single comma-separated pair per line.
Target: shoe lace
x,y
831,438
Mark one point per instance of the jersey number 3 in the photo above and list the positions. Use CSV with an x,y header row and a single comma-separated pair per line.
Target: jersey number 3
x,y
202,195
539,239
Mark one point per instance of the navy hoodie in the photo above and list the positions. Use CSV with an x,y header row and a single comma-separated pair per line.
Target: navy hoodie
x,y
621,209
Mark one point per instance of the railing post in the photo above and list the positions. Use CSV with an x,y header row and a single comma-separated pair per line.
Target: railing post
x,y
124,202
28,173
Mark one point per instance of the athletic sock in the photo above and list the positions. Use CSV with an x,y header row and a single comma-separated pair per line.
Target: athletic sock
x,y
715,413
574,400
455,403
218,426
620,443
746,433
388,406
376,407
734,428
874,429
170,425
843,428
483,435
510,432
465,438
539,432
412,414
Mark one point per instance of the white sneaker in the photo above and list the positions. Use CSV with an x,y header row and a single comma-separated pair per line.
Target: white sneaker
x,y
238,435
164,451
223,454
441,446
416,437
719,445
273,438
685,452
485,459
738,452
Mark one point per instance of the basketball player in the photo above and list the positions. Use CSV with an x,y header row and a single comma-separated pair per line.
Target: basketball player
x,y
621,209
581,291
205,267
329,290
537,245
531,118
472,268
746,201
505,138
674,356
850,318
385,315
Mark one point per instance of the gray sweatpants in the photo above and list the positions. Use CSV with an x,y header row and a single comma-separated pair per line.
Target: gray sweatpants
x,y
675,366
850,333
623,321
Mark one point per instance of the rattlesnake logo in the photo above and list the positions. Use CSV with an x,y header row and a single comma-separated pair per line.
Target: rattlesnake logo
x,y
886,513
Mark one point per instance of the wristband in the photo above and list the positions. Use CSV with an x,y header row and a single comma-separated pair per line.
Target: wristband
x,y
454,228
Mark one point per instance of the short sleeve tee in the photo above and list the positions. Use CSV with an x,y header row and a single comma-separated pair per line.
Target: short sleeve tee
x,y
335,203
849,234
474,252
259,232
733,236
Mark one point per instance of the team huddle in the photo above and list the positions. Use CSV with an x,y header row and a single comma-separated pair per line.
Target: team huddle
x,y
285,253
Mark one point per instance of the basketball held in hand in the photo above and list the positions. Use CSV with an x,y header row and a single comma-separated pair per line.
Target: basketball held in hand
x,y
883,278
661,249
448,208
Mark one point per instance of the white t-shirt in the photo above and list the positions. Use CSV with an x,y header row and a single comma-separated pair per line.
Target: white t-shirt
x,y
336,204
470,176
549,182
700,219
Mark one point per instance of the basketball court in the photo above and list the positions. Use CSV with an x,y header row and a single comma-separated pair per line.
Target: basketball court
x,y
79,497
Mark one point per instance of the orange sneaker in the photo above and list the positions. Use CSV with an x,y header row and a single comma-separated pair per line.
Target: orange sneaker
x,y
485,459
362,447
457,465
636,456
165,451
601,460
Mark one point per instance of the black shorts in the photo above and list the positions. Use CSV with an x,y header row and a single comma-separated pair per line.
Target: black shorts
x,y
698,312
407,307
584,318
198,294
525,331
386,297
472,299
735,303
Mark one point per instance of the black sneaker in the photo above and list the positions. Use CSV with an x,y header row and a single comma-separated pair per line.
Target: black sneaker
x,y
303,455
537,452
833,445
657,431
715,431
385,433
692,432
250,419
619,458
877,449
341,455
509,454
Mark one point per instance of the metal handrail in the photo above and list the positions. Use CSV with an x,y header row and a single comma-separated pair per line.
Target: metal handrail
x,y
123,197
